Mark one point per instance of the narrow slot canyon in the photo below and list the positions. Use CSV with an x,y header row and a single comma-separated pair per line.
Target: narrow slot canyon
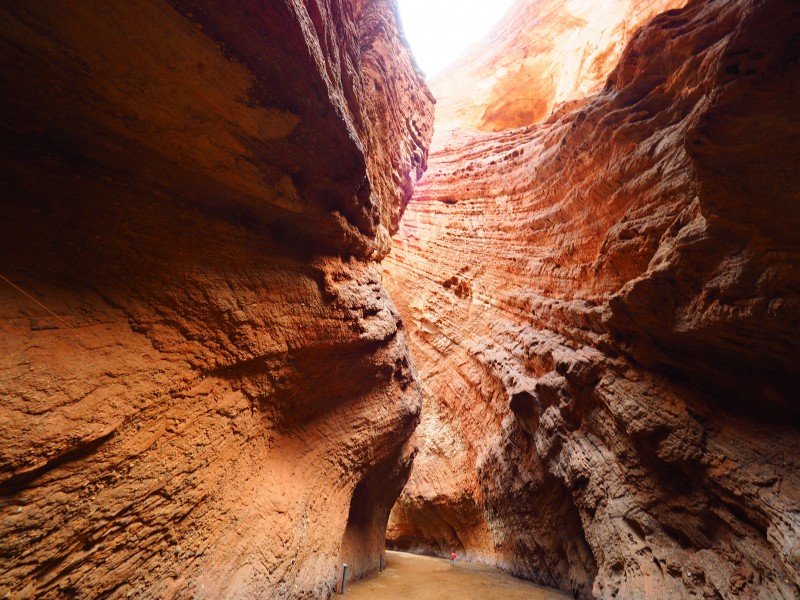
x,y
272,302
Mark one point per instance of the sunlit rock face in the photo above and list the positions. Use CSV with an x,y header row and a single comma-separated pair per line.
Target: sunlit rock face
x,y
543,53
199,191
603,308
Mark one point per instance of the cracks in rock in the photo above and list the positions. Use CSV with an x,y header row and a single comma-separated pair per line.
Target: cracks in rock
x,y
22,479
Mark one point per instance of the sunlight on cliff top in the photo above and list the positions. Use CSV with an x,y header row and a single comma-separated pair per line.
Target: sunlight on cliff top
x,y
440,31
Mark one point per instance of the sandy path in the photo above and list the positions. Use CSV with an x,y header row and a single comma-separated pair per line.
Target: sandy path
x,y
412,577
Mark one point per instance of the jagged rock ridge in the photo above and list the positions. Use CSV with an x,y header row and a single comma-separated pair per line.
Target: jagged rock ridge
x,y
603,308
219,403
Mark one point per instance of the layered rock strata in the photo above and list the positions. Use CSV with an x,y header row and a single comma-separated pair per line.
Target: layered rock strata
x,y
604,311
543,53
206,390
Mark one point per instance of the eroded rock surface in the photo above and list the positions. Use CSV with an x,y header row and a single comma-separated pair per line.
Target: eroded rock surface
x,y
206,391
604,311
543,53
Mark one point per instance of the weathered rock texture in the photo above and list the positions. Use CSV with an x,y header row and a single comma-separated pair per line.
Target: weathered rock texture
x,y
199,191
604,310
543,53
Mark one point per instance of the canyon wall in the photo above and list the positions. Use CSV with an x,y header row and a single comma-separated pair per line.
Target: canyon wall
x,y
542,53
205,390
604,310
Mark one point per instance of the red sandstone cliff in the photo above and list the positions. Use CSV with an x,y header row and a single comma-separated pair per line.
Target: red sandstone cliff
x,y
544,52
603,308
199,191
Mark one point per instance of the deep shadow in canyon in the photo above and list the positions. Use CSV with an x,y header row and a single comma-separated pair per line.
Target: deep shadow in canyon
x,y
582,367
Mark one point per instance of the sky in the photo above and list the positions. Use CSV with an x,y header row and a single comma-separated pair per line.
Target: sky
x,y
440,31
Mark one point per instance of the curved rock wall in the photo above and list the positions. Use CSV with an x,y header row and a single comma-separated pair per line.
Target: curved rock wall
x,y
201,372
604,312
544,52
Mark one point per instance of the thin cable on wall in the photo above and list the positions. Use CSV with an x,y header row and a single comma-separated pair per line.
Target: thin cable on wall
x,y
27,295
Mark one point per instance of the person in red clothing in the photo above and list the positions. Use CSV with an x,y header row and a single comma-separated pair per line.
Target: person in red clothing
x,y
453,557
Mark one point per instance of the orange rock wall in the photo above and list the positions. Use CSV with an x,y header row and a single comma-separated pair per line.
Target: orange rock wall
x,y
603,309
199,192
543,53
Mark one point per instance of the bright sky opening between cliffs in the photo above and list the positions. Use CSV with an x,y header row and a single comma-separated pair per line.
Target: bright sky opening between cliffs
x,y
440,31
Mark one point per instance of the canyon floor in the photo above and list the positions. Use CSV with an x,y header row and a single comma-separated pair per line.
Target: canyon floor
x,y
425,578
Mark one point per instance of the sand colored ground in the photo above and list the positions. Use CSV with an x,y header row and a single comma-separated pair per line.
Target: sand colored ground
x,y
425,578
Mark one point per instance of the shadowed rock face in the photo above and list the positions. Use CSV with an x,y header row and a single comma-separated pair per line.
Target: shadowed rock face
x,y
603,308
199,191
